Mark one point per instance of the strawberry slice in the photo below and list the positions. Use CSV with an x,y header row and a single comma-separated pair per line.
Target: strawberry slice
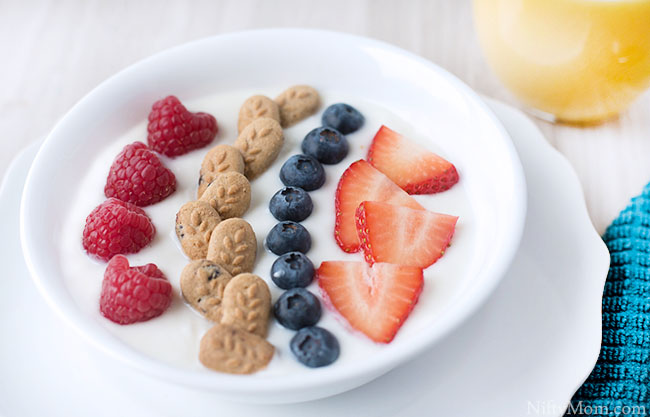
x,y
414,168
361,182
376,300
401,235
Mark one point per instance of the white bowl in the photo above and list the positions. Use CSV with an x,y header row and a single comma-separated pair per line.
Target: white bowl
x,y
410,86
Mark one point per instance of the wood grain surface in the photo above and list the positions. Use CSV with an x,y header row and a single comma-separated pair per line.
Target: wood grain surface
x,y
54,52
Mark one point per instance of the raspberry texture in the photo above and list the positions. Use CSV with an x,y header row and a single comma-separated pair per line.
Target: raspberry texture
x,y
173,130
116,227
137,176
132,294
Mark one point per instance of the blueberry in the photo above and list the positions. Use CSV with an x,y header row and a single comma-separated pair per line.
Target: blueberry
x,y
288,237
292,270
315,346
326,144
297,308
303,171
291,203
342,117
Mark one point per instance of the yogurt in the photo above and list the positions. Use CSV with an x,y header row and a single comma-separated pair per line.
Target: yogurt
x,y
174,337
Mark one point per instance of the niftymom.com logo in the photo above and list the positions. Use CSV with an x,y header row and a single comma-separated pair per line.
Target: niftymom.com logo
x,y
579,408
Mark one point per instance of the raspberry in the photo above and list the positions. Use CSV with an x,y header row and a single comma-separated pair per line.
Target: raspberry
x,y
132,294
173,130
116,227
137,176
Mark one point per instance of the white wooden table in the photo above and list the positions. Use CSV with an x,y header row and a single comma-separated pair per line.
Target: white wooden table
x,y
53,52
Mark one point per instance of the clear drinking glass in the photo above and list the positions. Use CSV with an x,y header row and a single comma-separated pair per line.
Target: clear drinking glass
x,y
575,61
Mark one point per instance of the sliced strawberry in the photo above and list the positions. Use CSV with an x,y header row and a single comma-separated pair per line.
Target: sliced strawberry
x,y
376,300
401,235
361,182
414,168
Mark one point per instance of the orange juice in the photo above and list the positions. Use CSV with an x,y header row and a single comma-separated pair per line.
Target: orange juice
x,y
578,60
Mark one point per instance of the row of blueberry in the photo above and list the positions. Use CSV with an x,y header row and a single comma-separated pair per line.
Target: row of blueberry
x,y
297,308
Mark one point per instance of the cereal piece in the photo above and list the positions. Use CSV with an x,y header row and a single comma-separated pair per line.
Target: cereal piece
x,y
260,143
228,349
195,222
229,194
233,245
219,160
255,107
297,103
247,304
203,283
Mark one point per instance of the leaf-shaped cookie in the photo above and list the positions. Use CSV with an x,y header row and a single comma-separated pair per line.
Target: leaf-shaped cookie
x,y
229,194
229,349
246,304
297,103
219,160
203,283
195,222
256,107
233,245
260,143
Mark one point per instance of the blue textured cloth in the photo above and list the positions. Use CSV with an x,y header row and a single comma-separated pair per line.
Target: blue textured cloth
x,y
619,385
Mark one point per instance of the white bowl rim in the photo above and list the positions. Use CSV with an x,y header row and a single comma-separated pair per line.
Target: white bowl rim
x,y
376,365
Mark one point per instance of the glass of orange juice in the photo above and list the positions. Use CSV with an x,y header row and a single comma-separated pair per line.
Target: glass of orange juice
x,y
575,61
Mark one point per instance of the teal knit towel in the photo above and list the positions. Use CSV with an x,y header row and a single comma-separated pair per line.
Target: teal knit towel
x,y
619,385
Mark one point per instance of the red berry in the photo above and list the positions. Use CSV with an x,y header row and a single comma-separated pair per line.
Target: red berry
x,y
173,130
361,182
137,176
116,227
132,294
376,300
415,169
401,235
